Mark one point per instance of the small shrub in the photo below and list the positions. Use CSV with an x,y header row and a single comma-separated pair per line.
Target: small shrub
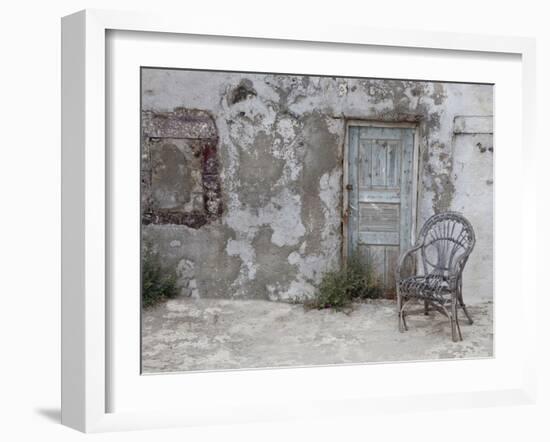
x,y
339,288
156,284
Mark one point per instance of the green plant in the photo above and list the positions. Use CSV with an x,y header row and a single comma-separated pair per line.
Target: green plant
x,y
156,284
353,282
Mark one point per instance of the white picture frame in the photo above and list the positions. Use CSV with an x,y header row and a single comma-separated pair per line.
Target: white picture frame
x,y
86,353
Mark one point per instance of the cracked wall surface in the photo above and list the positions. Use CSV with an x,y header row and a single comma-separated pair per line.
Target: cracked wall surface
x,y
263,218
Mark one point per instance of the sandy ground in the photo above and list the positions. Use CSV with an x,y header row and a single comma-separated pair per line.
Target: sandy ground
x,y
212,334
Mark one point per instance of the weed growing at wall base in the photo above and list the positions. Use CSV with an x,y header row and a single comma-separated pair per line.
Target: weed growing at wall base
x,y
156,284
353,282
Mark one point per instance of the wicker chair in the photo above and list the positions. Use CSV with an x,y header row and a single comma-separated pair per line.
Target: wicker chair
x,y
443,246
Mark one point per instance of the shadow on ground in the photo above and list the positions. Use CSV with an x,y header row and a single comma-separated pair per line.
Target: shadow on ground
x,y
51,414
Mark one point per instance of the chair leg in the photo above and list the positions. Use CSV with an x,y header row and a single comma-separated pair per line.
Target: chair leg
x,y
470,320
426,308
453,330
403,315
455,327
401,318
462,305
402,324
399,307
458,329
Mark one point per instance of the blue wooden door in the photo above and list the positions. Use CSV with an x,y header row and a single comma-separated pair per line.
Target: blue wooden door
x,y
380,198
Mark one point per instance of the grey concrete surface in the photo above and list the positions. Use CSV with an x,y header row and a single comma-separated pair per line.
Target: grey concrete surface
x,y
215,334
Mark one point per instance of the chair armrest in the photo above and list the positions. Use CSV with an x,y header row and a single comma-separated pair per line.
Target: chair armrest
x,y
402,259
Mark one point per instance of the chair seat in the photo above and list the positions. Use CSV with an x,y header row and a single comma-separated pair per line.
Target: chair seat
x,y
429,287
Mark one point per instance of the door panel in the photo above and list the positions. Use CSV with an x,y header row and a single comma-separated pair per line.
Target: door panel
x,y
380,200
378,217
376,255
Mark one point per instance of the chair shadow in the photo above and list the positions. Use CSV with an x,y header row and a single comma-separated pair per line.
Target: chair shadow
x,y
51,414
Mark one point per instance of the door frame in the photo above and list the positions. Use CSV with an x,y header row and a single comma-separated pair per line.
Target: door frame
x,y
345,172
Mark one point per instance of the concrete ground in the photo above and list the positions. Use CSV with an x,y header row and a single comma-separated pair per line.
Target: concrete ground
x,y
213,334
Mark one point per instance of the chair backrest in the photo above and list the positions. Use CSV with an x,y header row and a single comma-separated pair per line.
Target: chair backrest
x,y
447,240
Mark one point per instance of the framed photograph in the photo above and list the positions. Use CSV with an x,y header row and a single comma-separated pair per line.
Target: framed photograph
x,y
249,215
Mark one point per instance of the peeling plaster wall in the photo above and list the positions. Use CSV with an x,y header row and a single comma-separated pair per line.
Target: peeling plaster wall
x,y
280,152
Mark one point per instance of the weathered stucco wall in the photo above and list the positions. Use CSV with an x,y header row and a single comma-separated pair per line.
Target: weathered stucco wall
x,y
268,150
